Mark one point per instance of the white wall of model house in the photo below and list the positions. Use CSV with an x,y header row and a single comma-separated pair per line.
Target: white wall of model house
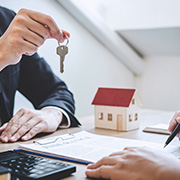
x,y
118,118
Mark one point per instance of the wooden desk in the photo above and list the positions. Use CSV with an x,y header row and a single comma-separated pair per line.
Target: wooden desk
x,y
147,117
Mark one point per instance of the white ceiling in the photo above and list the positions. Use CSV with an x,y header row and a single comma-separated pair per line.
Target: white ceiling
x,y
135,14
150,27
131,29
105,35
154,42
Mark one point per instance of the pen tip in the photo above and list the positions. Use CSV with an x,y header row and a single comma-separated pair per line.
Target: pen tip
x,y
165,145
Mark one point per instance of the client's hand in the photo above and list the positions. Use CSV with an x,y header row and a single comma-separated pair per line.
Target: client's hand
x,y
173,123
136,164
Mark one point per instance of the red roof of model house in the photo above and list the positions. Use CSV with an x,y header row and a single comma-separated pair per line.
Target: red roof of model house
x,y
113,97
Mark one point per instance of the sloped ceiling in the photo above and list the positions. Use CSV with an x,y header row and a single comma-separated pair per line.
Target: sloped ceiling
x,y
153,42
105,35
147,34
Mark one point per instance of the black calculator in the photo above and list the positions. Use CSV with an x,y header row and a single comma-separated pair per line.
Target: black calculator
x,y
28,167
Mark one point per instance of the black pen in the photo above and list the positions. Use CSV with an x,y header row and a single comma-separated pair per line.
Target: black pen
x,y
172,135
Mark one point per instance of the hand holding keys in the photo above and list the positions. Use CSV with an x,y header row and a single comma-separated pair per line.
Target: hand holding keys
x,y
62,50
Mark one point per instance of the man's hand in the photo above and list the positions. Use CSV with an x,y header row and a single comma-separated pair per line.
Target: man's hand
x,y
136,163
173,123
25,124
26,33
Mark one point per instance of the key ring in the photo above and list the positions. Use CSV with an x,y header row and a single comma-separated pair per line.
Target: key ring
x,y
67,38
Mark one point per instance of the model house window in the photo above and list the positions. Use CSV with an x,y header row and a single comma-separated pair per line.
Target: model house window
x,y
109,117
133,101
100,116
130,117
136,117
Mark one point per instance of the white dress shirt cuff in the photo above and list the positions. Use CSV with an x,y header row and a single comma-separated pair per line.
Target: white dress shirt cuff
x,y
66,120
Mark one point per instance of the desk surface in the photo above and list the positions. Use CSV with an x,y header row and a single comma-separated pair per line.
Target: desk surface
x,y
147,117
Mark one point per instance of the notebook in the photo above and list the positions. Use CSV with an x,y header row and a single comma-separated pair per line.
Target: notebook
x,y
160,128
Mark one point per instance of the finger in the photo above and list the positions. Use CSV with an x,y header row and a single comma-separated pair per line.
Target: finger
x,y
39,29
17,121
130,148
178,119
34,130
101,172
25,47
33,38
3,127
103,161
12,127
117,153
44,31
27,126
172,124
29,49
124,151
47,21
66,33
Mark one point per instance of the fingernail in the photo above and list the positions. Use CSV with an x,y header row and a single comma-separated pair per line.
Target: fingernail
x,y
5,138
88,170
24,138
12,138
89,165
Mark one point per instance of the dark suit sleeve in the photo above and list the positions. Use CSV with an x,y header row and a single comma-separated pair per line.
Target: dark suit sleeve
x,y
43,88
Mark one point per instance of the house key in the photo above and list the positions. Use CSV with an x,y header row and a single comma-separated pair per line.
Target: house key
x,y
62,50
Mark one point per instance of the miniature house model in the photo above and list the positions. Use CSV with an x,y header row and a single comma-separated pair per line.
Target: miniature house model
x,y
116,109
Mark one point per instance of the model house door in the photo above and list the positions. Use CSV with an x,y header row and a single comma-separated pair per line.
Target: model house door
x,y
119,122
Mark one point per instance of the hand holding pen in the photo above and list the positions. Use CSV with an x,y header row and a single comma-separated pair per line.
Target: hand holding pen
x,y
174,128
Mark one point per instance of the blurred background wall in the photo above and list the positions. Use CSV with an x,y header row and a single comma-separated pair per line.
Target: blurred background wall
x,y
90,65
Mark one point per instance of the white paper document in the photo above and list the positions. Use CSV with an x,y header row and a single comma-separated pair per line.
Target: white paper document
x,y
87,147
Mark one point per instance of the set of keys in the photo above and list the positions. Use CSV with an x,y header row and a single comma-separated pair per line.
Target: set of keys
x,y
62,50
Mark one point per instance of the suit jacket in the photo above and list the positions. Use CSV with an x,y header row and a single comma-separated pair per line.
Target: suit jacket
x,y
33,77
